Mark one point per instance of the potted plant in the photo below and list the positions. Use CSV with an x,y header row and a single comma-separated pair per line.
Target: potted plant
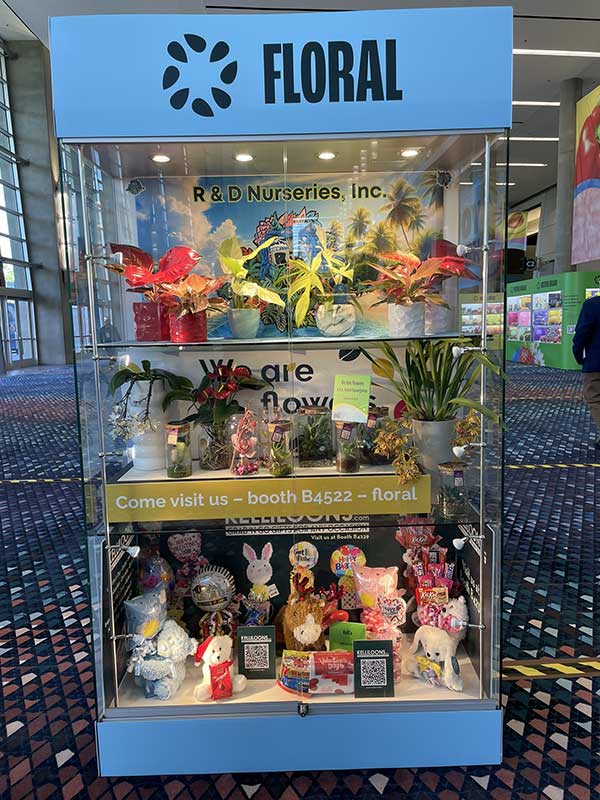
x,y
151,320
248,297
138,415
410,284
392,443
188,302
211,405
434,385
318,291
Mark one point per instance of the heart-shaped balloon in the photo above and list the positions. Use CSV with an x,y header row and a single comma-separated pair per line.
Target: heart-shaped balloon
x,y
393,608
185,546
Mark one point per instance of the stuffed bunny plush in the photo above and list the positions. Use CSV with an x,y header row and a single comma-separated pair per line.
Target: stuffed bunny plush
x,y
259,571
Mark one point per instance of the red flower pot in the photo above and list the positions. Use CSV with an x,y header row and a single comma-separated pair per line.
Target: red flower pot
x,y
188,329
147,323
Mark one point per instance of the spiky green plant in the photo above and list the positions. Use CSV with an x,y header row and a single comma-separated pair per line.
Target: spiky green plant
x,y
433,382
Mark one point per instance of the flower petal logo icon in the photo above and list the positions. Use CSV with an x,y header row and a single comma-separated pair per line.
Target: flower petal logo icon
x,y
219,97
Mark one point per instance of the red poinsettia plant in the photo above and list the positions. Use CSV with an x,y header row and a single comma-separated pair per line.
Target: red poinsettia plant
x,y
213,401
405,279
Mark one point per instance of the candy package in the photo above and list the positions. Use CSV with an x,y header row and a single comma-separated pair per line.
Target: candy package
x,y
331,673
295,671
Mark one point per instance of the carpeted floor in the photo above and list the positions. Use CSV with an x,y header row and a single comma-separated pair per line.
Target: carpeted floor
x,y
551,570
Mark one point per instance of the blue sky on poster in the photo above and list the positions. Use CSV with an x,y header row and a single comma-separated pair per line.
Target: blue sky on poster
x,y
167,213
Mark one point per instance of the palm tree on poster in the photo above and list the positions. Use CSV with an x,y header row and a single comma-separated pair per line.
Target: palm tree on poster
x,y
359,224
334,234
432,192
403,207
381,238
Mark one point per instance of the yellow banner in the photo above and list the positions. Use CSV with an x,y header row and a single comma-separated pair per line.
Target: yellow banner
x,y
265,497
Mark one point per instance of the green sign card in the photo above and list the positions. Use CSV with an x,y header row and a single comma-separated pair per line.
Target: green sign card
x,y
343,634
256,651
373,668
351,396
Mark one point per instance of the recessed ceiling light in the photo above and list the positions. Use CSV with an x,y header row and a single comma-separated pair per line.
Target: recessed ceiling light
x,y
568,53
410,152
243,157
544,103
161,158
326,155
466,183
506,184
476,164
521,164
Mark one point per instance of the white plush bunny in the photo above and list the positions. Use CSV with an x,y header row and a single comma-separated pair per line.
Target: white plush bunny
x,y
259,571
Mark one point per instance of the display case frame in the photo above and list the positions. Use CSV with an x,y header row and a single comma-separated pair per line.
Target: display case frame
x,y
182,738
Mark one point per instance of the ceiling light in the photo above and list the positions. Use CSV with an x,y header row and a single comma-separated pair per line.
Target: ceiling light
x,y
506,184
569,53
243,157
161,158
521,164
545,103
531,138
466,183
476,164
410,152
326,155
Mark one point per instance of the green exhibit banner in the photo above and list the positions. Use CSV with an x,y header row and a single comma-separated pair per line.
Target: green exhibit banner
x,y
541,315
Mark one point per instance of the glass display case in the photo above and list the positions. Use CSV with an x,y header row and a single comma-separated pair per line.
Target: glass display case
x,y
292,454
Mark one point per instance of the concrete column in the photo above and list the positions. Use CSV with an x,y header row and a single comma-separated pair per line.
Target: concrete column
x,y
570,93
29,98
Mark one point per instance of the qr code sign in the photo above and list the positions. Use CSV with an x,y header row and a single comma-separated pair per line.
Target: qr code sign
x,y
373,672
256,656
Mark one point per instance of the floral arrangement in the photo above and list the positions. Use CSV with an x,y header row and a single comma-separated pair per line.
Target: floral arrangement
x,y
467,429
392,442
405,279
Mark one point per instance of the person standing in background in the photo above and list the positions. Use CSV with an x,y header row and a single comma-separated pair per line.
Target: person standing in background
x,y
586,349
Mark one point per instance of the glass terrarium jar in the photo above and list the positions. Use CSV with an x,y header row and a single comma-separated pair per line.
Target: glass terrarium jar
x,y
453,499
280,448
245,458
315,436
215,446
179,451
347,446
377,419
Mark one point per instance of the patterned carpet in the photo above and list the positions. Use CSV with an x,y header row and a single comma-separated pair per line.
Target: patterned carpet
x,y
551,569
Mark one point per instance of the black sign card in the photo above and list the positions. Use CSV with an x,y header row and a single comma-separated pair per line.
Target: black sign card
x,y
373,668
256,651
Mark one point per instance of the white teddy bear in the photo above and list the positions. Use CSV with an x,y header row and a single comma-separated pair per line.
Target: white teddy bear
x,y
440,649
218,679
162,670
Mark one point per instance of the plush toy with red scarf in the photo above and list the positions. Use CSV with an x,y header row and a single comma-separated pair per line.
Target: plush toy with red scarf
x,y
218,680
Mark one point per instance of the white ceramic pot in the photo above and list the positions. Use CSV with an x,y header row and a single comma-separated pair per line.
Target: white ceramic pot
x,y
244,322
432,440
148,452
438,319
336,319
405,322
